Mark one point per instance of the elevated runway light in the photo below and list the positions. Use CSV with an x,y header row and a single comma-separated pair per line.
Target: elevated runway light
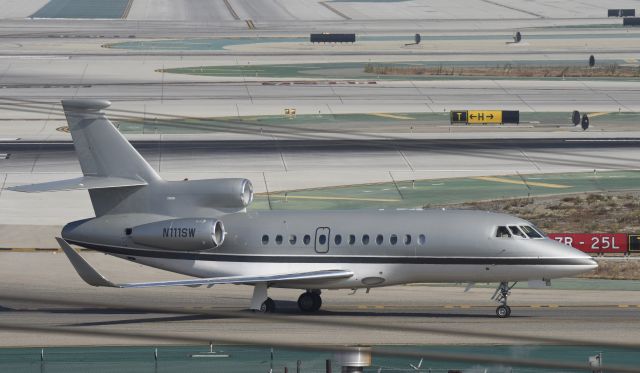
x,y
575,117
585,122
416,40
592,61
517,37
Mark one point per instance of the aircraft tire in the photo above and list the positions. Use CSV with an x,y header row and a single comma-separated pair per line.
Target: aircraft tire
x,y
503,311
268,306
307,302
317,302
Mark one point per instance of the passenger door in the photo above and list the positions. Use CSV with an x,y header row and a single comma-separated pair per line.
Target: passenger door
x,y
322,239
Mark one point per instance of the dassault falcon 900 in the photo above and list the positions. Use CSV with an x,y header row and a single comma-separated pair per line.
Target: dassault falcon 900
x,y
201,228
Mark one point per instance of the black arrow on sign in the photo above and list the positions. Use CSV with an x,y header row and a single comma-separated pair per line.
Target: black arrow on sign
x,y
472,116
490,116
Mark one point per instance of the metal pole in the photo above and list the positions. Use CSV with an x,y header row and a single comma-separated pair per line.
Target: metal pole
x,y
271,362
298,366
328,366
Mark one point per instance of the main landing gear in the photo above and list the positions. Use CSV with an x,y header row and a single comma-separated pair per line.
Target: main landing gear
x,y
260,302
500,296
310,301
268,306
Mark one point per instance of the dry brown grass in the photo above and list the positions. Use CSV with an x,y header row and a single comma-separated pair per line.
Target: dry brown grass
x,y
616,270
508,70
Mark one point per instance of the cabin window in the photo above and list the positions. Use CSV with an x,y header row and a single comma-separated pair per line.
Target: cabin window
x,y
422,239
322,239
279,239
337,239
365,239
407,239
306,239
516,231
293,239
393,239
379,239
503,232
265,239
352,239
532,233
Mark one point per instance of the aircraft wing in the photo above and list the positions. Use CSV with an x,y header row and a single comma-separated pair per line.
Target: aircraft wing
x,y
92,277
79,183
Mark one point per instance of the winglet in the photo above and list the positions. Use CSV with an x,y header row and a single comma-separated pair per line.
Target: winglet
x,y
84,269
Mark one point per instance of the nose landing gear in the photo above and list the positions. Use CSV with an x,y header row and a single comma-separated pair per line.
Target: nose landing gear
x,y
500,296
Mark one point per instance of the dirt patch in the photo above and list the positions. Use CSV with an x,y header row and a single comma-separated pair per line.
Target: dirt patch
x,y
580,213
509,70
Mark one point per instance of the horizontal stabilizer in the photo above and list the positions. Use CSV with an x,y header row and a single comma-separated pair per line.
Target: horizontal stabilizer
x,y
79,183
92,277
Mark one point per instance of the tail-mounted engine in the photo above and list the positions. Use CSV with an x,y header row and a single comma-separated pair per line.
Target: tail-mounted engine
x,y
217,193
187,234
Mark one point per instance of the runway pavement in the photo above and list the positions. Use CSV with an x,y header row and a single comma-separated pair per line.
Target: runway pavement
x,y
31,220
215,99
47,60
609,316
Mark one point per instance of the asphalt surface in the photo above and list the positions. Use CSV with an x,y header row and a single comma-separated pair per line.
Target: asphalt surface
x,y
499,155
429,97
580,314
47,60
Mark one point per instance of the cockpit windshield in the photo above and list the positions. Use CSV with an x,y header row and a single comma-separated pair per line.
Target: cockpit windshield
x,y
521,231
531,232
516,231
503,232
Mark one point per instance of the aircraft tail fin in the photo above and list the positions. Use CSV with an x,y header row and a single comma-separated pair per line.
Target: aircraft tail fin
x,y
113,169
101,148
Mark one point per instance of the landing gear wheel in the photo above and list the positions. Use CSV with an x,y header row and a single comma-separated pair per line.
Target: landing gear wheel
x,y
307,302
317,301
268,306
501,294
503,311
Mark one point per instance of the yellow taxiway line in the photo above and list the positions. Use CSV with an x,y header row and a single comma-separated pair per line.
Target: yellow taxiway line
x,y
520,182
336,198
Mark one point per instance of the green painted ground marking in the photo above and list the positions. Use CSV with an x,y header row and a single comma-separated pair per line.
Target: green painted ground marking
x,y
569,284
223,43
82,9
343,123
408,194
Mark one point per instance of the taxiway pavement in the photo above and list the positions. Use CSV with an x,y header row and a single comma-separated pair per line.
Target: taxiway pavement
x,y
609,316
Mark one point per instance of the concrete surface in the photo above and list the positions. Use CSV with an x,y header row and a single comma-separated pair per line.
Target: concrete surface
x,y
610,316
285,165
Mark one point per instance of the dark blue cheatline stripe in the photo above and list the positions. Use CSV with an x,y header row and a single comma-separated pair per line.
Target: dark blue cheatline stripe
x,y
212,257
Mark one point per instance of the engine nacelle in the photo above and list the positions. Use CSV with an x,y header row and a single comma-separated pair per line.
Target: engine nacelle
x,y
187,234
230,192
223,193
